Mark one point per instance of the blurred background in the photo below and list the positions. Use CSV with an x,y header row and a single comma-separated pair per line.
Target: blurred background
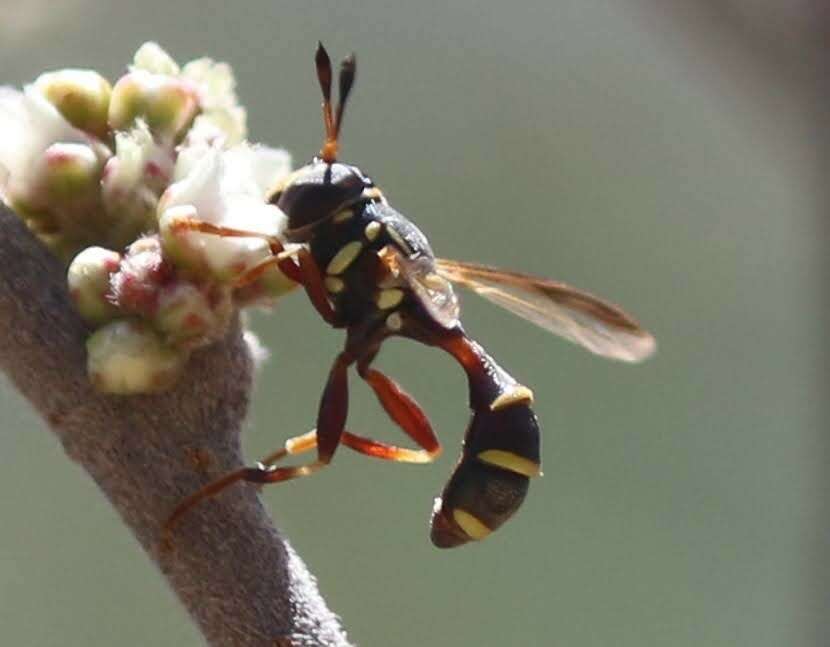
x,y
661,154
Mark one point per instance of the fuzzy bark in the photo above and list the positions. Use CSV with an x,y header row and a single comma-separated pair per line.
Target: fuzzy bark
x,y
235,573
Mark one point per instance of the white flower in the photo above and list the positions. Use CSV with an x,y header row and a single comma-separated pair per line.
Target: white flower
x,y
29,124
152,58
217,98
220,114
224,189
138,172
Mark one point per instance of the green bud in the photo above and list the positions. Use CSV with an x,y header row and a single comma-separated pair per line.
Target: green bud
x,y
128,357
81,96
168,105
88,278
70,171
175,243
128,101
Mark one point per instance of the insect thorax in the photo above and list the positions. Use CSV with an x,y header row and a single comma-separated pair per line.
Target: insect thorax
x,y
349,249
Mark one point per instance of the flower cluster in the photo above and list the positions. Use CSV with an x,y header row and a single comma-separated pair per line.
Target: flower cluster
x,y
106,175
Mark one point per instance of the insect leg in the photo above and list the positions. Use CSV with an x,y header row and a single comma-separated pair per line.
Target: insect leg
x,y
312,281
204,227
285,263
330,422
405,412
304,270
360,444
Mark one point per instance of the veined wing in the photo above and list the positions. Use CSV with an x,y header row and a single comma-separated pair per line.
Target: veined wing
x,y
419,275
580,317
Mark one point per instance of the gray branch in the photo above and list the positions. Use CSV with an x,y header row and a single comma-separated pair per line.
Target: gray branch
x,y
237,576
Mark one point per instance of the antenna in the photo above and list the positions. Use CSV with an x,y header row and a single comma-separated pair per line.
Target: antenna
x,y
323,63
345,82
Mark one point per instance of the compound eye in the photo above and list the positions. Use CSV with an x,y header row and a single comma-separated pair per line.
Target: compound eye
x,y
317,192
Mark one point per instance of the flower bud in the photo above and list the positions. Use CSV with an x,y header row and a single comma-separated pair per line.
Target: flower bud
x,y
174,238
128,357
70,172
152,58
131,182
88,278
188,316
81,96
139,279
167,104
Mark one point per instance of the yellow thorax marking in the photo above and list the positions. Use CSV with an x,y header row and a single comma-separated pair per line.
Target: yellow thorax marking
x,y
372,230
333,284
394,322
472,526
510,462
343,258
342,216
517,395
389,298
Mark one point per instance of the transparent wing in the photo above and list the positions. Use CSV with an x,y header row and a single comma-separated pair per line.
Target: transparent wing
x,y
419,275
580,317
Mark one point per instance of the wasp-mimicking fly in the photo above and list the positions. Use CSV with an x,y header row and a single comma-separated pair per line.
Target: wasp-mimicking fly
x,y
368,270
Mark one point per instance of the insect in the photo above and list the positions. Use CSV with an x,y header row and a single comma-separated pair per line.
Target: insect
x,y
368,270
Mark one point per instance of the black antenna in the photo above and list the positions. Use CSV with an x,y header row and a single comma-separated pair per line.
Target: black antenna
x,y
347,73
323,64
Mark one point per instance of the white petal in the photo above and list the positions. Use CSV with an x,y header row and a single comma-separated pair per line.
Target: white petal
x,y
152,58
269,166
29,124
221,190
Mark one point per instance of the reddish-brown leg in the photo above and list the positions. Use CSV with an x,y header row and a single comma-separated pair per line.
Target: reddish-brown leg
x,y
203,227
360,444
304,270
285,263
404,411
331,420
312,281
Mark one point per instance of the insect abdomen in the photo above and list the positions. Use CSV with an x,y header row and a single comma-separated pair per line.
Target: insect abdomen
x,y
500,455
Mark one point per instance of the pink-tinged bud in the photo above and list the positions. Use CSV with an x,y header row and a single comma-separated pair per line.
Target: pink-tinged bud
x,y
128,357
168,105
70,172
81,96
132,181
190,316
141,276
88,279
175,241
38,217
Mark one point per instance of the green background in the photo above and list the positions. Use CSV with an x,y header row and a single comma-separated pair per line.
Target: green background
x,y
576,139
